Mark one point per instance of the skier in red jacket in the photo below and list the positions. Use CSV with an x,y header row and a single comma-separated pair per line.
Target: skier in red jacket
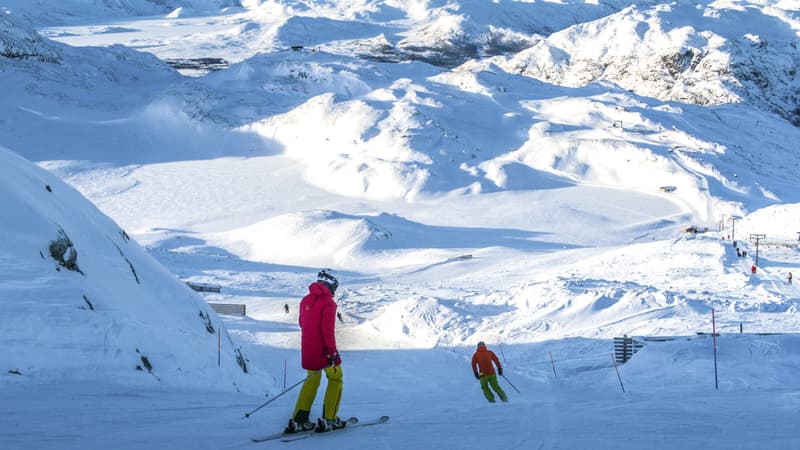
x,y
484,371
318,353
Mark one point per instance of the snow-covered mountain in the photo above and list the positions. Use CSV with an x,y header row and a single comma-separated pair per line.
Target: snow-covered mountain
x,y
542,176
77,11
691,52
389,131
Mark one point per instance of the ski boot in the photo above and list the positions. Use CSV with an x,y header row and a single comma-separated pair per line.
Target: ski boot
x,y
299,423
324,425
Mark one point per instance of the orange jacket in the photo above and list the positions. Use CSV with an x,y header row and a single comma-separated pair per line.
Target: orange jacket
x,y
482,359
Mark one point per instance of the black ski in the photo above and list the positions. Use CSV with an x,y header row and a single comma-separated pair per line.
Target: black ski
x,y
272,437
350,426
277,436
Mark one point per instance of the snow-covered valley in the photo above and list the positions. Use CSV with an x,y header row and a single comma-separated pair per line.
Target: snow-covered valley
x,y
519,173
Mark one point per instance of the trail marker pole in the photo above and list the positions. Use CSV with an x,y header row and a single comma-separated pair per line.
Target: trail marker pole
x,y
613,360
553,363
284,374
502,353
714,335
219,347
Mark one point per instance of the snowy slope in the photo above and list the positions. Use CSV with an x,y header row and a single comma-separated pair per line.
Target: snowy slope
x,y
87,303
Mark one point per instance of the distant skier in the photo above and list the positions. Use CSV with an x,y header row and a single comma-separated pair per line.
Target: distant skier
x,y
484,371
318,353
753,268
339,315
286,308
789,278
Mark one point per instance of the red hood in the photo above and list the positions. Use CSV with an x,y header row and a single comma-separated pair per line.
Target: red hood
x,y
318,289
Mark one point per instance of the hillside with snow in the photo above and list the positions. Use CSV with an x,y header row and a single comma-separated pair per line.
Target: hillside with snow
x,y
705,54
541,176
84,302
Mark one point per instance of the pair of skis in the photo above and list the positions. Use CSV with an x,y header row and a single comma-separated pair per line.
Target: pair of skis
x,y
352,422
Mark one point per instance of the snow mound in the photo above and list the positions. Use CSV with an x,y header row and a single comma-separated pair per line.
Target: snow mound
x,y
418,321
777,222
361,154
86,303
313,238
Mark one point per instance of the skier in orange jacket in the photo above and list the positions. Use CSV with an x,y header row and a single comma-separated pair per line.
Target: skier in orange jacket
x,y
484,371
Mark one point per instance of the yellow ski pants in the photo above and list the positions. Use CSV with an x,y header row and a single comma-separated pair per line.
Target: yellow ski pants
x,y
333,393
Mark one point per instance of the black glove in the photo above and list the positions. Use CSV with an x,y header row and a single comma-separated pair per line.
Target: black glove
x,y
477,377
500,371
334,359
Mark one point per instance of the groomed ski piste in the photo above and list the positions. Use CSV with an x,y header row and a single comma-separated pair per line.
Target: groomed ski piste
x,y
518,173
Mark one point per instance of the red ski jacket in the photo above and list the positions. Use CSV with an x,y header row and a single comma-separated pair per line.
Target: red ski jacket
x,y
482,359
317,323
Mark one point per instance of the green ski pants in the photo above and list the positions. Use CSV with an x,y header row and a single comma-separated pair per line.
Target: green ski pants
x,y
491,380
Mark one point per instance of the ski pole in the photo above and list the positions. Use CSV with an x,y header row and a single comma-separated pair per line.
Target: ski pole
x,y
613,360
246,415
512,384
